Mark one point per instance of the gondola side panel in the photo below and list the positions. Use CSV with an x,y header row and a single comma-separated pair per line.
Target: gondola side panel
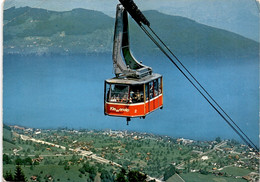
x,y
125,110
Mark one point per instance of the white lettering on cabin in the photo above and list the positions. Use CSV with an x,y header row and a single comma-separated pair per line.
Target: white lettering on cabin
x,y
119,110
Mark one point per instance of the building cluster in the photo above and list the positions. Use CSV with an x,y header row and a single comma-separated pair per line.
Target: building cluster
x,y
238,154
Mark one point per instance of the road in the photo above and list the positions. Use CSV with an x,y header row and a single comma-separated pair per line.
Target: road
x,y
225,167
82,152
214,148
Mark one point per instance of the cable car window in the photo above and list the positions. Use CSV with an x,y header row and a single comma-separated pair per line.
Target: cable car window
x,y
160,85
136,94
151,90
156,90
119,93
146,91
107,94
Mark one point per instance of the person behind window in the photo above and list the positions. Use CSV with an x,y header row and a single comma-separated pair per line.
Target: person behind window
x,y
131,96
155,92
117,98
138,96
160,91
113,99
124,98
130,100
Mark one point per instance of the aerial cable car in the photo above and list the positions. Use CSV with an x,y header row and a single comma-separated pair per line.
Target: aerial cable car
x,y
135,91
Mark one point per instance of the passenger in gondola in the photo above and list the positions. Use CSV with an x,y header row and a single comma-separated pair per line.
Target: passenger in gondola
x,y
118,98
124,98
131,96
155,92
142,97
130,100
138,96
113,99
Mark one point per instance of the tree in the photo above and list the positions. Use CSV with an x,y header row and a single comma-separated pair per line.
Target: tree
x,y
8,176
131,176
18,174
6,159
39,178
218,139
234,142
60,162
28,161
120,177
18,161
82,170
203,171
74,158
66,167
105,176
134,176
92,172
36,163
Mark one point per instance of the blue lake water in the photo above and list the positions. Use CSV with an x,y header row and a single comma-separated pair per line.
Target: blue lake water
x,y
67,91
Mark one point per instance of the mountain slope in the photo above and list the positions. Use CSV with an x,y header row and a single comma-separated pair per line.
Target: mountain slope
x,y
38,31
188,37
239,16
80,31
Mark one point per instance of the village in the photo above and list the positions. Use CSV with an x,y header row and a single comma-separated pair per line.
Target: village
x,y
160,157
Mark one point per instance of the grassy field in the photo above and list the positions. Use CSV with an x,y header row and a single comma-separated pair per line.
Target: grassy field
x,y
54,170
8,147
7,134
195,177
236,171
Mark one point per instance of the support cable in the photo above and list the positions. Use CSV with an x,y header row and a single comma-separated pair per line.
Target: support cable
x,y
214,107
202,87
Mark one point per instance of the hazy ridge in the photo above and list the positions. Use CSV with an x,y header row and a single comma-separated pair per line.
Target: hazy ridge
x,y
80,31
239,16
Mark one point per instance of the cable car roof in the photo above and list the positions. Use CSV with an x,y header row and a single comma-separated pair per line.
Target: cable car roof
x,y
134,81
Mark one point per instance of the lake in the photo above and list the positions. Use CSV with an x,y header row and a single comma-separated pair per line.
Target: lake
x,y
67,91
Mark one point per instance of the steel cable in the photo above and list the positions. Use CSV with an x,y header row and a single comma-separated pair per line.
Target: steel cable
x,y
250,143
202,87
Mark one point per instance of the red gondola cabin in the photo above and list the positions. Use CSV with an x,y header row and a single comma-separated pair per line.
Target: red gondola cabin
x,y
133,97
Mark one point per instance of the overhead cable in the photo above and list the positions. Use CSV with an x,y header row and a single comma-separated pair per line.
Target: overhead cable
x,y
235,127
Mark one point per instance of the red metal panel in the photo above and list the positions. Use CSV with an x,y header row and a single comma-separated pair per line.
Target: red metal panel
x,y
133,110
127,110
160,101
154,104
